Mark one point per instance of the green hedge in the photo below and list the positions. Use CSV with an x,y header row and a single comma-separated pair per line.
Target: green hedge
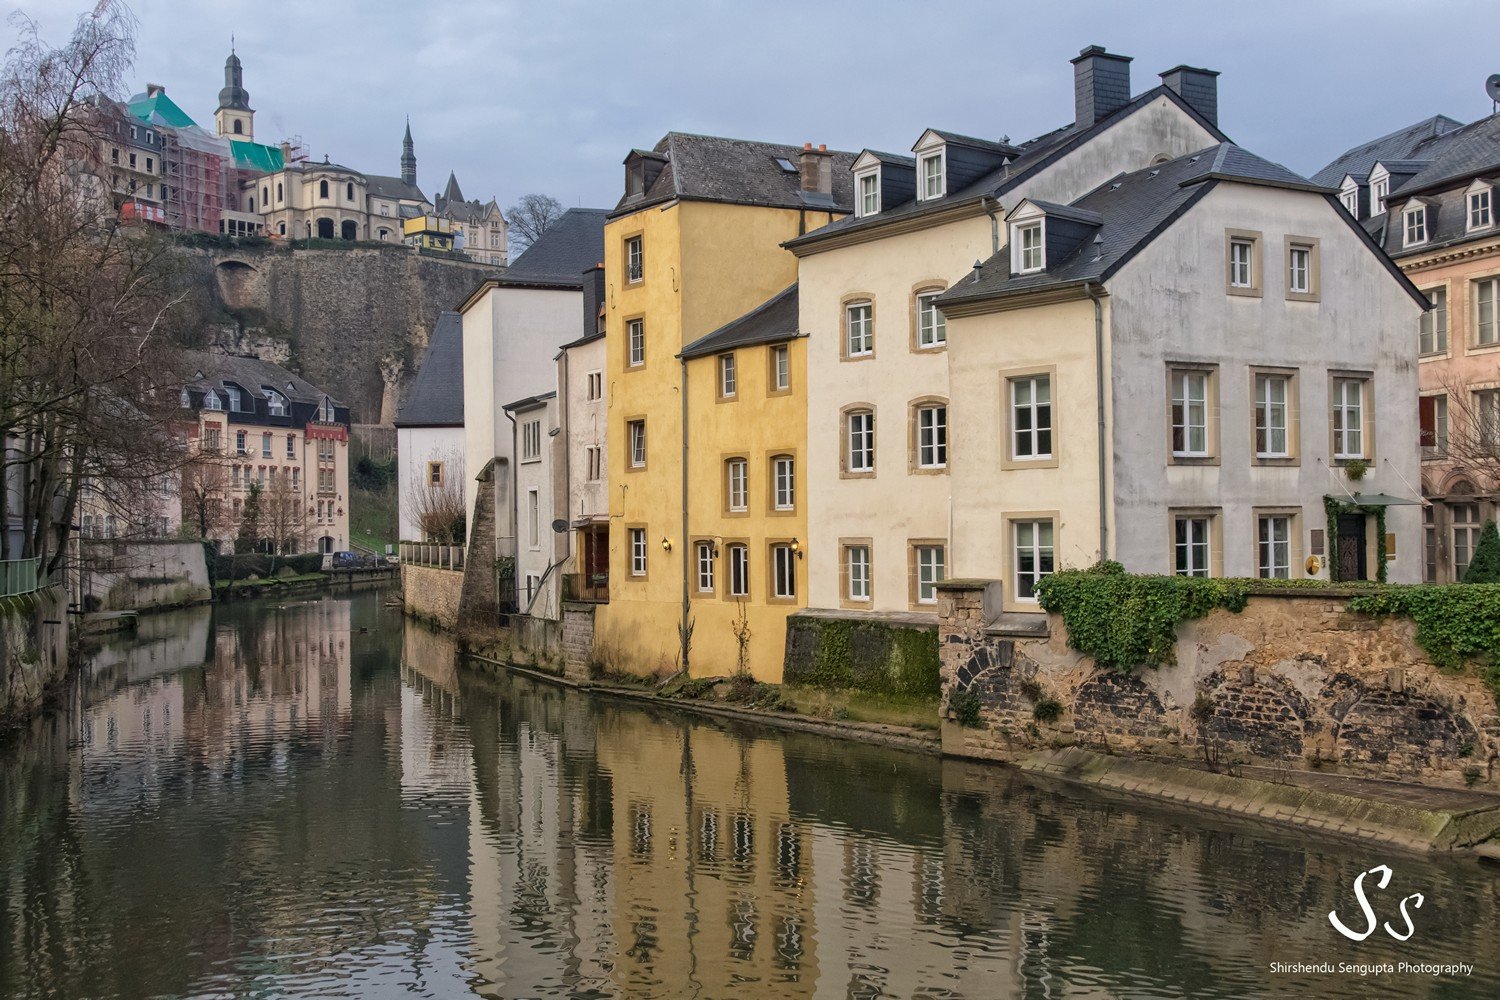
x,y
1456,622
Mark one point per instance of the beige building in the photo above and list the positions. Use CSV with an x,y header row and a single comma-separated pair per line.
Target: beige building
x,y
881,492
249,423
583,500
1430,195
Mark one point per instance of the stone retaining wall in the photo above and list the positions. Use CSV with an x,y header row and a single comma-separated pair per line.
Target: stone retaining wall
x,y
432,594
1294,680
33,650
887,654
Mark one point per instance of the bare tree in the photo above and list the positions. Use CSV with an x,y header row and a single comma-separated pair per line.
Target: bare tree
x,y
87,335
205,496
439,508
1469,437
530,217
283,515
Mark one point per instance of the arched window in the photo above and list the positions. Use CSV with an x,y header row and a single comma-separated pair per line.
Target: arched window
x,y
265,196
281,228
323,189
250,205
349,190
239,127
859,441
278,193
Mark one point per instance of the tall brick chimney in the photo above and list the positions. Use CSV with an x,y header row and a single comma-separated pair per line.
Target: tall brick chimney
x,y
1101,84
816,168
1198,87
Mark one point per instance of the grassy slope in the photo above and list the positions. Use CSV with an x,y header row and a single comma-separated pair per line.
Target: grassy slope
x,y
372,517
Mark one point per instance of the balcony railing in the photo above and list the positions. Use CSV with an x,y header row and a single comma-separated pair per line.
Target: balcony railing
x,y
431,554
21,576
586,587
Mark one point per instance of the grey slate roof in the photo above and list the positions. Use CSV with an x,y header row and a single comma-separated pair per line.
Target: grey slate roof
x,y
1401,144
1133,209
249,374
436,398
1459,157
738,171
894,158
1031,156
394,188
570,246
1464,153
773,320
992,145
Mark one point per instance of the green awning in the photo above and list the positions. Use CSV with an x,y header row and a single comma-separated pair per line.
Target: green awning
x,y
1375,500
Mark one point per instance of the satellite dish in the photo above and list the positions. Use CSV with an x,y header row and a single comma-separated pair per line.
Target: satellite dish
x,y
1492,87
559,526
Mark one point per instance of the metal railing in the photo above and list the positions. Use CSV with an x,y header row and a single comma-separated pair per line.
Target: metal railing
x,y
20,576
431,554
586,587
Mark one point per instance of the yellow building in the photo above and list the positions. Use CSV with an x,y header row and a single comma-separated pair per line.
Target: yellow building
x,y
700,322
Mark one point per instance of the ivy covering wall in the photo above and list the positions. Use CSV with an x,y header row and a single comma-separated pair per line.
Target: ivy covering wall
x,y
877,656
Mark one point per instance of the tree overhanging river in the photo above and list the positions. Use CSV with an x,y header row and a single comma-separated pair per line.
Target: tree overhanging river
x,y
314,799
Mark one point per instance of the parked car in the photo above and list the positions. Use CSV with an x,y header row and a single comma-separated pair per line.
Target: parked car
x,y
347,560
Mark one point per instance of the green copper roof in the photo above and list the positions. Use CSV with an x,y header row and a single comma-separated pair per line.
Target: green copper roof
x,y
255,156
159,109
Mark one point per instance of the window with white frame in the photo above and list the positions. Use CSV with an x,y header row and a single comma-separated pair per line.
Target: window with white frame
x,y
781,368
1415,220
1433,338
737,485
1191,544
1031,418
869,193
932,436
291,446
1379,188
635,339
1272,409
1487,311
930,560
1190,413
635,260
1481,208
784,482
739,570
932,327
241,443
326,412
932,175
637,538
1348,418
211,401
1032,555
1351,201
531,440
533,518
595,382
233,393
1465,536
636,442
1030,253
1241,263
595,456
857,572
859,329
705,567
1274,546
859,445
1299,269
1487,417
728,378
275,403
784,572
265,445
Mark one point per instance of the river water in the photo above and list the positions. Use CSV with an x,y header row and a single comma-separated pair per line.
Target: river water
x,y
311,799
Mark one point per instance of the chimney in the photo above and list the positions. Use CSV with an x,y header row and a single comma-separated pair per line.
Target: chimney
x,y
1101,85
816,168
286,153
152,89
1198,87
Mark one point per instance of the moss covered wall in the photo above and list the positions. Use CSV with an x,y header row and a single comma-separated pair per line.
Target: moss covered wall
x,y
862,653
33,651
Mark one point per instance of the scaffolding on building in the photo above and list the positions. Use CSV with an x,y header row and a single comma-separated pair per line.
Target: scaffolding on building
x,y
200,170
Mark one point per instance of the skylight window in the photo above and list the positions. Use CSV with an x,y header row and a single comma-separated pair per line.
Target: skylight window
x,y
786,165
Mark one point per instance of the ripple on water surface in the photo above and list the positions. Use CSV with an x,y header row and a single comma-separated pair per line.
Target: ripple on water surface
x,y
312,800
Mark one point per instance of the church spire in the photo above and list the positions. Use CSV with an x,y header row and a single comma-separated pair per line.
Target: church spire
x,y
234,116
408,157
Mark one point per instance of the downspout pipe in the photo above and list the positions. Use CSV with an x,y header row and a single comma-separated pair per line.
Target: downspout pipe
x,y
991,208
682,629
1096,294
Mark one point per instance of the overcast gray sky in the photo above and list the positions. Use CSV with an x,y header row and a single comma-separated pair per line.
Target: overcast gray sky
x,y
549,95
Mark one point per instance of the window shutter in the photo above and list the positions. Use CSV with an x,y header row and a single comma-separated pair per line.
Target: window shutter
x,y
1427,418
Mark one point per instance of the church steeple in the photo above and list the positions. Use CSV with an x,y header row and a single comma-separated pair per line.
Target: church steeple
x,y
408,157
235,118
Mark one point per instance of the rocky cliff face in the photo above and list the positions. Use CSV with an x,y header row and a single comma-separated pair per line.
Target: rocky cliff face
x,y
354,321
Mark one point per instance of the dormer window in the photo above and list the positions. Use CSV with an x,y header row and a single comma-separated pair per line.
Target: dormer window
x,y
1481,206
1351,202
1379,188
931,175
1415,220
1028,253
211,401
187,401
868,185
275,403
325,411
234,398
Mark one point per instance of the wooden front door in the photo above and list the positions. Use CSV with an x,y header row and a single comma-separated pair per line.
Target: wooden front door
x,y
1351,554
